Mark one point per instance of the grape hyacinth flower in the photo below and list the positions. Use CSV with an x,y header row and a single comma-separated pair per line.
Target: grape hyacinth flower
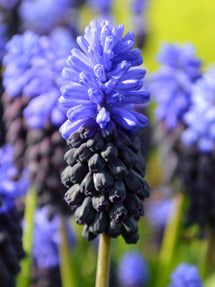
x,y
171,86
42,16
11,251
139,8
201,133
47,237
17,76
33,125
45,249
105,169
133,270
185,275
9,5
103,6
3,36
160,208
10,188
3,40
196,152
45,146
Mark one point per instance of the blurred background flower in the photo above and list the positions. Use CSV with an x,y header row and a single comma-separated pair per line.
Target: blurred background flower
x,y
171,85
133,270
11,250
185,275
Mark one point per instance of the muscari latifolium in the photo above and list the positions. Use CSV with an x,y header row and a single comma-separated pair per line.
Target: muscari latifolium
x,y
105,169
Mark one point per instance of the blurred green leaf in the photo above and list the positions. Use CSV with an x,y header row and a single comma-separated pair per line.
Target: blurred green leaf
x,y
23,278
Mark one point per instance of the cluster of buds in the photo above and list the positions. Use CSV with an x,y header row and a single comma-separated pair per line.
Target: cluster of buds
x,y
106,185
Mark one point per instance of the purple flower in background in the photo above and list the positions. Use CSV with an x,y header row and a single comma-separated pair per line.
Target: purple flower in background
x,y
185,275
159,210
11,250
102,84
138,6
200,119
47,238
171,86
133,270
103,6
9,4
47,66
10,190
33,68
42,16
18,73
3,36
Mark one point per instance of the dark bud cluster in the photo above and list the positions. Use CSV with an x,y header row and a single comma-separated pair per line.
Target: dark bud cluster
x,y
44,158
11,251
45,277
15,126
105,183
196,171
168,143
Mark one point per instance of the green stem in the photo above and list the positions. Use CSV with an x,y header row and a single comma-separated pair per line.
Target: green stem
x,y
23,278
65,266
208,260
169,243
103,262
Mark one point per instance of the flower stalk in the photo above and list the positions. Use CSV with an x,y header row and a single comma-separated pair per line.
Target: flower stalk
x,y
103,262
169,243
65,266
208,260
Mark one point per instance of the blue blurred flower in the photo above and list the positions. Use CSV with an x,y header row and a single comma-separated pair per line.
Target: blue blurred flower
x,y
103,6
160,208
103,86
18,72
200,119
42,16
48,65
139,6
30,60
11,250
3,36
133,270
10,190
171,86
47,237
9,4
185,275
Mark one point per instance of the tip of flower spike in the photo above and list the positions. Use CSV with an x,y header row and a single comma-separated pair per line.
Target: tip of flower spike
x,y
103,79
